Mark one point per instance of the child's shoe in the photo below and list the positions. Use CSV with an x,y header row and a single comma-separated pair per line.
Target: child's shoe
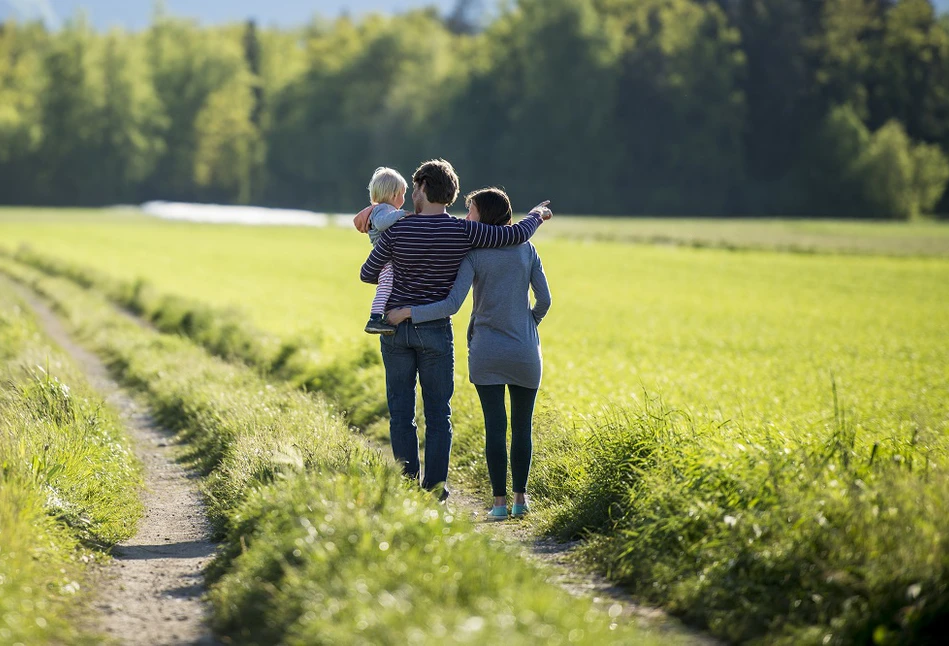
x,y
497,513
519,511
377,325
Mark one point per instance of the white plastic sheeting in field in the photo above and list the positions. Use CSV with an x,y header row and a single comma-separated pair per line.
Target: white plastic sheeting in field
x,y
248,215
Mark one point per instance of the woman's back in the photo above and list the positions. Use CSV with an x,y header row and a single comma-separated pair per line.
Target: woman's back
x,y
504,347
503,344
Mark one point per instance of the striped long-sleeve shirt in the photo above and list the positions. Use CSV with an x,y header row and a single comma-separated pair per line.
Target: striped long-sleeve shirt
x,y
426,251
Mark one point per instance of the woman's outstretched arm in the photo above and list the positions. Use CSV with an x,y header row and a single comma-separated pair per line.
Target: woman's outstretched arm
x,y
540,288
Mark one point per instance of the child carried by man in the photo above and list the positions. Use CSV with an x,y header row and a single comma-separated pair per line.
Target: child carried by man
x,y
387,194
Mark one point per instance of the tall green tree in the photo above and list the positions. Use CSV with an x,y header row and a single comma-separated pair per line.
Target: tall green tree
x,y
252,55
777,88
129,119
367,88
851,32
680,109
552,87
67,157
21,84
227,153
189,65
911,72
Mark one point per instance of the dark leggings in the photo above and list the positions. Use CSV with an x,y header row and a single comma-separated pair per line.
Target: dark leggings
x,y
495,435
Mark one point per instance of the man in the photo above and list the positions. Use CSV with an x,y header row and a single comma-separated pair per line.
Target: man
x,y
426,250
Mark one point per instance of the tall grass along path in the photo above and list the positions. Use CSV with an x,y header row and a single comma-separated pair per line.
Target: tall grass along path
x,y
152,591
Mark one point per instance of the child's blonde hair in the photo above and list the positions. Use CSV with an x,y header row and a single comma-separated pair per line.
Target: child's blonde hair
x,y
386,185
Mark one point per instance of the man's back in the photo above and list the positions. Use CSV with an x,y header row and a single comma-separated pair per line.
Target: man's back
x,y
426,251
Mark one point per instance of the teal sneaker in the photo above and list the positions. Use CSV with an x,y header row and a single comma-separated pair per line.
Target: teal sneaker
x,y
519,511
497,513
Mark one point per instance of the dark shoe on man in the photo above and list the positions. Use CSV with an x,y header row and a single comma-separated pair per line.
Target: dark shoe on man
x,y
440,493
377,325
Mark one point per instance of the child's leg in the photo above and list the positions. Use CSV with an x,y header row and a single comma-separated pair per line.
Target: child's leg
x,y
383,291
377,322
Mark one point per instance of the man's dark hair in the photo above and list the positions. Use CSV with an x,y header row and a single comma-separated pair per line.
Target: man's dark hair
x,y
494,206
440,181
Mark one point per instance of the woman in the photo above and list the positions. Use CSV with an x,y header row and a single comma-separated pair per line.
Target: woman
x,y
503,344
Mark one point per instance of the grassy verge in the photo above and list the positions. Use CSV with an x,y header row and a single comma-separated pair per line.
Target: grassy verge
x,y
68,484
323,542
343,378
823,534
825,538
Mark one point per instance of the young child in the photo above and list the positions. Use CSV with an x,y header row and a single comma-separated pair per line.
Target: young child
x,y
387,194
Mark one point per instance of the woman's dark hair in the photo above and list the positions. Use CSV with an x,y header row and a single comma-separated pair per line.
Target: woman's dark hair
x,y
494,206
440,181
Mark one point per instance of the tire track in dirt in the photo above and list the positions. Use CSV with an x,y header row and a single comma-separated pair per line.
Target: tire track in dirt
x,y
152,591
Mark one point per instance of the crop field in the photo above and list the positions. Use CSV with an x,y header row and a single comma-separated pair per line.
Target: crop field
x,y
754,439
749,336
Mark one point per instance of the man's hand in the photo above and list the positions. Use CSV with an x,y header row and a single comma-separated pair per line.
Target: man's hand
x,y
397,316
361,221
542,210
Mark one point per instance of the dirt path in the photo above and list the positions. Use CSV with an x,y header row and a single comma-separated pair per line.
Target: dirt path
x,y
151,593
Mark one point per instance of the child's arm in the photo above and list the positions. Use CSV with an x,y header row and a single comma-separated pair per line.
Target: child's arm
x,y
361,221
381,254
384,216
441,309
540,288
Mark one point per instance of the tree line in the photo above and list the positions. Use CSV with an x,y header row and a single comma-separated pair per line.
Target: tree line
x,y
828,108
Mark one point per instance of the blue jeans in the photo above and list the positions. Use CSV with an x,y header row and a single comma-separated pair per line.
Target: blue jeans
x,y
424,351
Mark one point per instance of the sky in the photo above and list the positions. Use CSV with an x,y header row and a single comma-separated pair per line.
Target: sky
x,y
135,14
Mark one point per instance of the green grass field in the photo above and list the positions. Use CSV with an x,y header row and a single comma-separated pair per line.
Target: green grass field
x,y
787,483
749,336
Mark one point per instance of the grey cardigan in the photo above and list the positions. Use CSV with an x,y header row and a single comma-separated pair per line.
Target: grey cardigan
x,y
503,344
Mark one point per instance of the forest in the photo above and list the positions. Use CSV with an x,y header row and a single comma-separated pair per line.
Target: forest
x,y
818,108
